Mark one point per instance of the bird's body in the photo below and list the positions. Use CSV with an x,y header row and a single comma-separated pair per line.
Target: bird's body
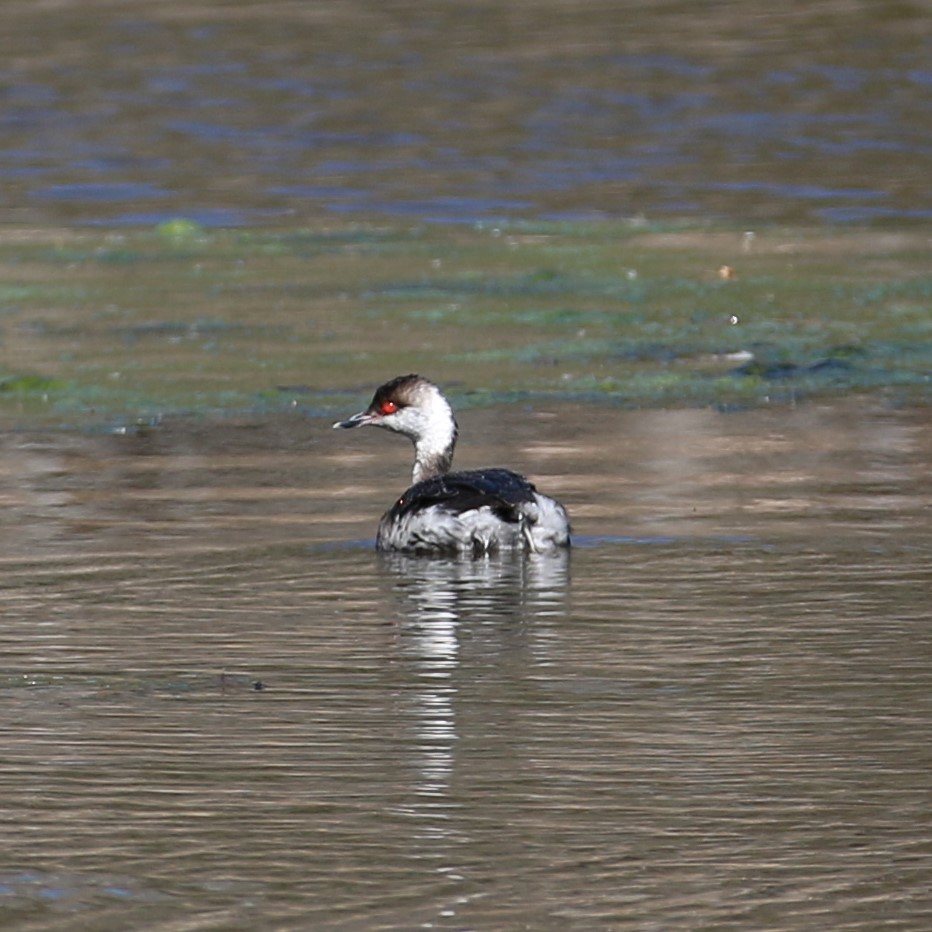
x,y
474,511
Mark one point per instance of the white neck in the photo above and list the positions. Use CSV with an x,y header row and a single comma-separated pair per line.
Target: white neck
x,y
428,465
435,438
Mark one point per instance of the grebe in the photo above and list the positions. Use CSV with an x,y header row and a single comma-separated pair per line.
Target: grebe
x,y
476,511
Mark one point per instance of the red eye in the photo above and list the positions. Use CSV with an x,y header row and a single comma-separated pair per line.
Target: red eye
x,y
388,407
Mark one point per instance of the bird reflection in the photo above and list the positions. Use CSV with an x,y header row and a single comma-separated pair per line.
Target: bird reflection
x,y
457,589
459,617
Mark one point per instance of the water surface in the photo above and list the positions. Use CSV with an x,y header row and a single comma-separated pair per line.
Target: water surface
x,y
250,113
224,709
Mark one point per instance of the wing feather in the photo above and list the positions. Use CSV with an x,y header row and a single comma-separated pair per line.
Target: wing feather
x,y
499,489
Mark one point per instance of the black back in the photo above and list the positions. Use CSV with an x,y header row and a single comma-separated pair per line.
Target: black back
x,y
499,489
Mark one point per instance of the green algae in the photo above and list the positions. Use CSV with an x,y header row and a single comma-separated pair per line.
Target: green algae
x,y
179,319
30,385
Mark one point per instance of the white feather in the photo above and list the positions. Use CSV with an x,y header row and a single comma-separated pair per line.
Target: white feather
x,y
415,407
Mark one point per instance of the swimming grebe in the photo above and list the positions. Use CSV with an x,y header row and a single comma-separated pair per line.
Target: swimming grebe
x,y
476,511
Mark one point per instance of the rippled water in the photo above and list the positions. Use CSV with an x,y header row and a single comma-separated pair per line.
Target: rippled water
x,y
246,112
224,710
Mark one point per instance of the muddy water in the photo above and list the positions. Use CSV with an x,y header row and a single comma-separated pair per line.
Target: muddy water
x,y
223,710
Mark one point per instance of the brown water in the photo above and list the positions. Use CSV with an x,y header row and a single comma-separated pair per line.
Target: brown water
x,y
715,714
222,710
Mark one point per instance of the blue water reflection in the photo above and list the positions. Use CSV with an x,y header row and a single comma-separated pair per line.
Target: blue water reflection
x,y
459,117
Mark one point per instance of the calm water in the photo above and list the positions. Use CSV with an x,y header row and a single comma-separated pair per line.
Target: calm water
x,y
245,112
223,710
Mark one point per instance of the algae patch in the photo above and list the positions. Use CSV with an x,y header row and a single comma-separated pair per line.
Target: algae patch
x,y
134,325
30,385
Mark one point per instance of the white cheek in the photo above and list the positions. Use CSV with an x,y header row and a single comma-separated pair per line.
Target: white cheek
x,y
405,421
